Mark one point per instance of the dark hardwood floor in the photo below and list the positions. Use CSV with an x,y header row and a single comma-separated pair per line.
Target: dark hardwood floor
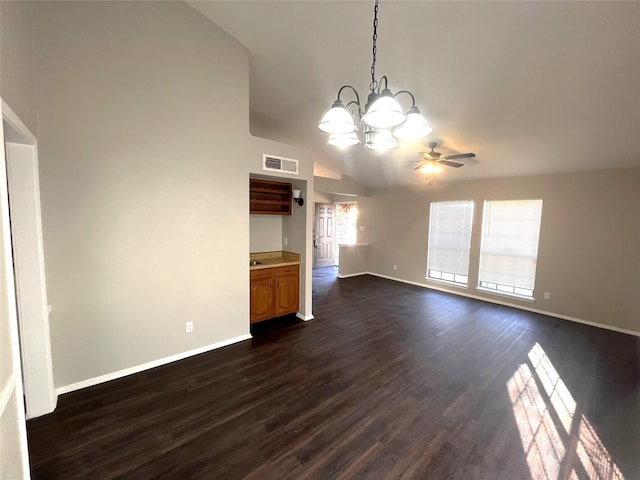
x,y
388,381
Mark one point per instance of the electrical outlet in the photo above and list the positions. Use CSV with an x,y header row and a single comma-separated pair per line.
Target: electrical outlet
x,y
547,296
362,228
189,327
395,267
286,241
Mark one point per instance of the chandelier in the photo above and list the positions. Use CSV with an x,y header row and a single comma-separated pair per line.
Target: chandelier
x,y
383,122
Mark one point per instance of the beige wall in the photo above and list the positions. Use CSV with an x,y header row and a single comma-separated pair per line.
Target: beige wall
x,y
354,260
320,197
17,80
345,185
589,251
145,156
265,233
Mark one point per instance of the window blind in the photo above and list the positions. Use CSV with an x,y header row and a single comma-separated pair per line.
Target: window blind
x,y
449,240
509,248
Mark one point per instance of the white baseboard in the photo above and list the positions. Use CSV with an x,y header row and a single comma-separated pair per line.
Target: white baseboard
x,y
340,275
306,318
508,304
146,366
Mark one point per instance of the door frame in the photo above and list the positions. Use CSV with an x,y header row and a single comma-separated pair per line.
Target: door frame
x,y
12,415
21,153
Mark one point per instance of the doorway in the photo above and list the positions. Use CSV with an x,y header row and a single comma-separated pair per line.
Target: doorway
x,y
335,224
324,235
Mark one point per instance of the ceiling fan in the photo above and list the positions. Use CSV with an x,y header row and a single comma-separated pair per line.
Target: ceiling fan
x,y
432,160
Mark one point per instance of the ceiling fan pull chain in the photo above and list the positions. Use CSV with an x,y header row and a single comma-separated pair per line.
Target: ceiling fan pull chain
x,y
373,85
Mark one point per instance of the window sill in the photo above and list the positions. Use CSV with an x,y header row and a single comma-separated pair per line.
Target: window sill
x,y
506,295
450,284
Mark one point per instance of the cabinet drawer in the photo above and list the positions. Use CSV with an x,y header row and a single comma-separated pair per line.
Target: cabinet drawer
x,y
261,273
288,270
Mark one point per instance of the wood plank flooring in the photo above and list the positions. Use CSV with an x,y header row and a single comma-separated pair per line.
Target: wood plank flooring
x,y
388,381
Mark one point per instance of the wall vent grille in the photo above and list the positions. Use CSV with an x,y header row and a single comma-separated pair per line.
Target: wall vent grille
x,y
272,163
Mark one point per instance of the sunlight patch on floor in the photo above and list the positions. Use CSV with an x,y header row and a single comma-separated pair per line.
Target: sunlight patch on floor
x,y
549,428
594,456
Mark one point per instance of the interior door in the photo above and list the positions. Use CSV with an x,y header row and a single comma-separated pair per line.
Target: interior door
x,y
324,235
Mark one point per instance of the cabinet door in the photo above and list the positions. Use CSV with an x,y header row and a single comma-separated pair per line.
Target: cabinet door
x,y
287,290
262,298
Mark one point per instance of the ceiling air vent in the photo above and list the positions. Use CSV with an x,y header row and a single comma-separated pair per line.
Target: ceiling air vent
x,y
279,164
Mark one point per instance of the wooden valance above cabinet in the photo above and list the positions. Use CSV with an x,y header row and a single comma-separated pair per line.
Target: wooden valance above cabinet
x,y
267,197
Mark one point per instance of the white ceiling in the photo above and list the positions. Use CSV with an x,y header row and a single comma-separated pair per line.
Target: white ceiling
x,y
530,87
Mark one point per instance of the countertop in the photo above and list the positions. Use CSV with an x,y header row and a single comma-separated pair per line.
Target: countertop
x,y
274,259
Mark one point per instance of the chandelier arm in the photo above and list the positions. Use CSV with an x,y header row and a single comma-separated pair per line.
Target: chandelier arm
x,y
358,110
384,77
354,91
413,99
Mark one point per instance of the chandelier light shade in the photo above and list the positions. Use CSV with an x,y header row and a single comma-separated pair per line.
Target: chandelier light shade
x,y
415,126
385,112
343,139
383,120
337,120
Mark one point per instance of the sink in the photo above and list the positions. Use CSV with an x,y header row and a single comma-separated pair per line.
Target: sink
x,y
254,262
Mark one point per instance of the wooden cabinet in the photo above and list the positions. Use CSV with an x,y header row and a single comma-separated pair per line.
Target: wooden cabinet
x,y
274,292
263,294
267,197
287,289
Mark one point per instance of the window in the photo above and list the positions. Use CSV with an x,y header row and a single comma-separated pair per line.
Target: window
x,y
509,249
347,219
449,241
346,222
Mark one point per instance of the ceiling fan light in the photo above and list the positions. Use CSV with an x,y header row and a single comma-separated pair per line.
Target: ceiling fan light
x,y
384,112
415,127
380,140
337,120
343,139
430,168
426,169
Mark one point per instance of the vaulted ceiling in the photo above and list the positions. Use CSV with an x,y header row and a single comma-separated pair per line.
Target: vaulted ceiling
x,y
530,87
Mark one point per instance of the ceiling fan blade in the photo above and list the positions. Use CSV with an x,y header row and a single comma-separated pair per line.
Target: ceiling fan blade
x,y
426,155
451,164
458,156
419,166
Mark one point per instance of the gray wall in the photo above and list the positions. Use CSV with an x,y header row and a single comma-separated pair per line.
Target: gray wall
x,y
589,251
265,233
145,155
17,77
346,185
354,260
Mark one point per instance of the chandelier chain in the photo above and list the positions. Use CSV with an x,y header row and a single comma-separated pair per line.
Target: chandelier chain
x,y
374,84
